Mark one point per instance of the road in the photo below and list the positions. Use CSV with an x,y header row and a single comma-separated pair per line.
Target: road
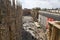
x,y
55,16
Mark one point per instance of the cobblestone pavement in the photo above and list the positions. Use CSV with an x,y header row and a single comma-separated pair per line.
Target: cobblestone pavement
x,y
31,32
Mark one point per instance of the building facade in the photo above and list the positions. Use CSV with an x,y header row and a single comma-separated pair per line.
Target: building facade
x,y
10,20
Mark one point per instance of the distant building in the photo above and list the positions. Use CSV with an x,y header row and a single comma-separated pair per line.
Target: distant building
x,y
27,12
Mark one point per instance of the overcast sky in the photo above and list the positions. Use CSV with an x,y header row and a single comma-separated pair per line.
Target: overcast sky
x,y
40,3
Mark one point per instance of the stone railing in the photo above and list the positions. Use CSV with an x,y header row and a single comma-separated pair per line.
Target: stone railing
x,y
54,30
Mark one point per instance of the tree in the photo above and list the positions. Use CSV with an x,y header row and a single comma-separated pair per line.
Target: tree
x,y
37,8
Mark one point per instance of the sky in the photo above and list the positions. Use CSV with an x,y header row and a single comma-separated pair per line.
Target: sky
x,y
40,3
